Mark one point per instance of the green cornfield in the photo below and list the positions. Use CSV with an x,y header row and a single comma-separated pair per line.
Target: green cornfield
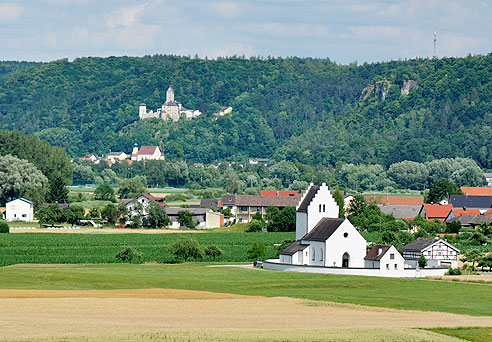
x,y
55,248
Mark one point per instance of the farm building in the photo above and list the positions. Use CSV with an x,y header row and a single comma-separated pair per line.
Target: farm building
x,y
19,210
438,253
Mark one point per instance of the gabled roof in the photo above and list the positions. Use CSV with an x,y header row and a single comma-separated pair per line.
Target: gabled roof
x,y
115,154
151,197
458,212
324,229
373,253
480,202
259,201
400,211
436,211
308,198
209,202
395,200
294,248
147,150
21,199
419,244
471,220
477,191
193,211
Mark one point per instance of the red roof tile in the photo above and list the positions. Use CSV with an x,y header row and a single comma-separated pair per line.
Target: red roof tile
x,y
395,200
458,212
437,211
471,191
147,150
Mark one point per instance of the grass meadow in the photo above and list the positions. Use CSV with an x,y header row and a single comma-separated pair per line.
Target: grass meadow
x,y
398,293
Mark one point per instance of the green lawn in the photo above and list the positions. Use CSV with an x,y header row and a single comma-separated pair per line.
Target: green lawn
x,y
478,334
399,293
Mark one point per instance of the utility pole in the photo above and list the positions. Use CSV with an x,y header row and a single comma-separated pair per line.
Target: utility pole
x,y
435,40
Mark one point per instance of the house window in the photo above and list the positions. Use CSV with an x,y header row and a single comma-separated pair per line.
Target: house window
x,y
392,256
323,208
320,208
396,266
387,266
429,253
243,209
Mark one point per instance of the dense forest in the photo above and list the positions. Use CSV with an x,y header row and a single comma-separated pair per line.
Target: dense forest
x,y
304,110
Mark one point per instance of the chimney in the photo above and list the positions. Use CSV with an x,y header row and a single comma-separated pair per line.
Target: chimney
x,y
380,250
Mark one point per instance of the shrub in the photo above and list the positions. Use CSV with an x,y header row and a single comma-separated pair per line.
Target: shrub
x,y
4,227
186,248
129,255
257,251
422,261
454,271
254,226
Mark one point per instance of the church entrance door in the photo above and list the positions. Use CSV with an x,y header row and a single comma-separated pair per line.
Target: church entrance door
x,y
345,260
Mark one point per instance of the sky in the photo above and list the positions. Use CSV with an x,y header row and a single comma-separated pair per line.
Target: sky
x,y
344,31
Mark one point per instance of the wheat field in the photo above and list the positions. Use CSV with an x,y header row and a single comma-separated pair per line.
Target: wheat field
x,y
183,315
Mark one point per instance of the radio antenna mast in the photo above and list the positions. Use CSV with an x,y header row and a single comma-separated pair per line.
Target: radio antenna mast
x,y
435,40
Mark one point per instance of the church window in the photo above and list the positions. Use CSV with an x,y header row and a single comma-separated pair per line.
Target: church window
x,y
320,208
314,253
345,235
321,254
396,266
387,266
323,208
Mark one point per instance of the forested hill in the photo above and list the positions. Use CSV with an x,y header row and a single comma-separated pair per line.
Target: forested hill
x,y
308,110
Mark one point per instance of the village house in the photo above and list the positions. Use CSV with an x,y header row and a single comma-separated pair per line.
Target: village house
x,y
142,201
170,110
395,200
482,203
223,111
115,157
471,221
457,212
433,212
256,161
19,209
146,153
488,178
405,212
204,218
385,258
438,252
244,207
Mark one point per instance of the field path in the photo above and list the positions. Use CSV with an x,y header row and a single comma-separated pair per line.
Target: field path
x,y
53,313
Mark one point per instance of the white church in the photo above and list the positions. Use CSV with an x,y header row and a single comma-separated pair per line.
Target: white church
x,y
170,110
326,243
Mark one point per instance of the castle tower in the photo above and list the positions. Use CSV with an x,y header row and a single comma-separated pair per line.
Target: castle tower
x,y
142,110
170,95
135,148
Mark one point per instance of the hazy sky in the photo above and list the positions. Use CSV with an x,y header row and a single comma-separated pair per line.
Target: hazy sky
x,y
342,30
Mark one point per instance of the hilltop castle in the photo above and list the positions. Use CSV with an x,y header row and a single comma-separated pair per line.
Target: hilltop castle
x,y
170,110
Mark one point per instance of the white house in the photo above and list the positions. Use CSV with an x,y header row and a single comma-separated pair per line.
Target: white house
x,y
386,258
19,210
438,252
144,200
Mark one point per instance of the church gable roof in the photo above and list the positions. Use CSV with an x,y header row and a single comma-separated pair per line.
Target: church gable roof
x,y
324,229
294,248
307,199
147,150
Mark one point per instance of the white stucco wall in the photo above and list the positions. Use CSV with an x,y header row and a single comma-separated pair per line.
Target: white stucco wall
x,y
301,225
274,264
212,220
354,244
19,210
329,207
387,264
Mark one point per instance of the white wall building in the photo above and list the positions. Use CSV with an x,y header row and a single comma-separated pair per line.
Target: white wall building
x,y
147,153
438,252
386,258
19,210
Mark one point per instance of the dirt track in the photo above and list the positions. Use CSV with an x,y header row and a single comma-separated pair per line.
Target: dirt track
x,y
37,313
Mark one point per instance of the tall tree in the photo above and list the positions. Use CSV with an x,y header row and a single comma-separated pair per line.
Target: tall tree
x,y
57,192
441,189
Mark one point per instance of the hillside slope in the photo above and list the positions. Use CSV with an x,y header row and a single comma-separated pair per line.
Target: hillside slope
x,y
301,109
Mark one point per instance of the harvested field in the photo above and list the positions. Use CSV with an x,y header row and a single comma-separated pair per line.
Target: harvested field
x,y
54,314
105,231
479,278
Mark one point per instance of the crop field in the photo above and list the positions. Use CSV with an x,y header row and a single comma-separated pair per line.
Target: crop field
x,y
53,248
